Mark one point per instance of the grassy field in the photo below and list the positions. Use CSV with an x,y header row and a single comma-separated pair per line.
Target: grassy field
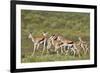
x,y
71,25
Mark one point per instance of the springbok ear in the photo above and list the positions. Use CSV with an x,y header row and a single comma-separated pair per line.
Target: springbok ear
x,y
53,34
79,37
44,32
30,32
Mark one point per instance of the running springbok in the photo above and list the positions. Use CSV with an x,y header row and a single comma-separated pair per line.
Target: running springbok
x,y
38,40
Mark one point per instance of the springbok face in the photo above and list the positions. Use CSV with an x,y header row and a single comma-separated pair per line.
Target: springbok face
x,y
30,36
45,33
59,38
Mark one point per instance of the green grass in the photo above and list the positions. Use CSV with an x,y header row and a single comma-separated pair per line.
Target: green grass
x,y
69,24
53,57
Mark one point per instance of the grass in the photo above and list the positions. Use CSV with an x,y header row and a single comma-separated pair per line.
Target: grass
x,y
71,25
53,57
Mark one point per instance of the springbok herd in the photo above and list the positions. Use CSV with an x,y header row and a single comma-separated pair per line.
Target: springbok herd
x,y
59,43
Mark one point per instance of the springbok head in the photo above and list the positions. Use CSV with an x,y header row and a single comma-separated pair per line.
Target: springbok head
x,y
30,35
45,33
60,38
80,39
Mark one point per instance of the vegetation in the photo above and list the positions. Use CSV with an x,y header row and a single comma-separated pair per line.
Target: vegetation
x,y
69,24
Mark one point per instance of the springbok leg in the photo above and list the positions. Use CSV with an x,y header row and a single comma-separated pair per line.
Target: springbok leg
x,y
62,50
56,50
34,49
43,47
38,46
73,49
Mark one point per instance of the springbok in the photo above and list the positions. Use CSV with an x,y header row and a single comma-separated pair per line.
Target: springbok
x,y
83,45
38,40
67,43
53,42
